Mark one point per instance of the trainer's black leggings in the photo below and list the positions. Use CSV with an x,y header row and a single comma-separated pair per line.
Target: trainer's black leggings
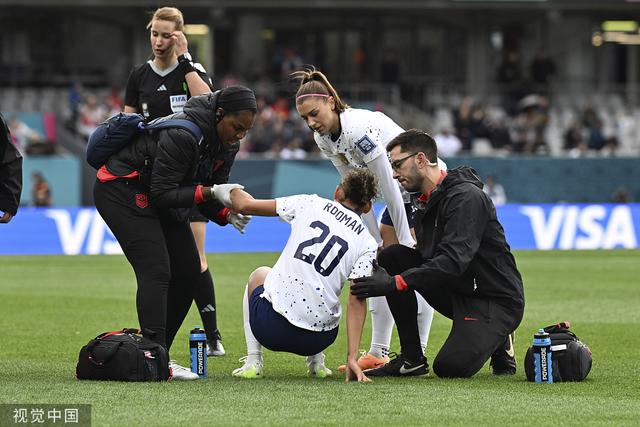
x,y
480,324
161,251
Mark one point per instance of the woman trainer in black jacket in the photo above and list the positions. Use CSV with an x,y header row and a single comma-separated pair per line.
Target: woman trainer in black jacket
x,y
145,192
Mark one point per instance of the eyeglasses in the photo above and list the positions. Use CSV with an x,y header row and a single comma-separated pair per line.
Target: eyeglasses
x,y
397,164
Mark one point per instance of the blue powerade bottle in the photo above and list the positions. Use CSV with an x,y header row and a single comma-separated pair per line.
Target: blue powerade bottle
x,y
542,357
198,349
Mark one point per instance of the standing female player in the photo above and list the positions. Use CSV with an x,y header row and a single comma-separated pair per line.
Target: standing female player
x,y
354,138
158,88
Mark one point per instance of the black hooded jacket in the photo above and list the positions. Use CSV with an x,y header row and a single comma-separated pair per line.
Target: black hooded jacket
x,y
173,163
462,241
10,171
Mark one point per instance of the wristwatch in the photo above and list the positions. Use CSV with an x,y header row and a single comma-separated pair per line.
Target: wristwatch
x,y
185,57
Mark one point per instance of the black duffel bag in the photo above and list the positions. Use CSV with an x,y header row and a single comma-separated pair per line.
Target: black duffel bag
x,y
124,355
571,359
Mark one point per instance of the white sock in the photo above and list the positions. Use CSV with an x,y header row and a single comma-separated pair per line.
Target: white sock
x,y
254,348
381,327
425,316
318,359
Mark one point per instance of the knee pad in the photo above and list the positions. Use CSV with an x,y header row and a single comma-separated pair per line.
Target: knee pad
x,y
398,258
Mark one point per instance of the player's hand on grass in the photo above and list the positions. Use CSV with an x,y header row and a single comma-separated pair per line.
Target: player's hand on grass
x,y
353,371
238,220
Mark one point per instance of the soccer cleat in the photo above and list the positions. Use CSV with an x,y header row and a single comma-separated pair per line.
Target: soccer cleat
x,y
214,346
180,373
250,368
316,368
503,360
400,367
367,361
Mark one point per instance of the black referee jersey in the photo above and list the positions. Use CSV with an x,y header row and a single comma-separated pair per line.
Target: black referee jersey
x,y
158,93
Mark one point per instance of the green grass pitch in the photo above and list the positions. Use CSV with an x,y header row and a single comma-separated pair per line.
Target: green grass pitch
x,y
51,306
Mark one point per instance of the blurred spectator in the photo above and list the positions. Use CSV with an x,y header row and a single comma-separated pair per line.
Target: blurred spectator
x,y
23,136
92,114
281,107
448,144
75,101
610,147
530,124
593,125
359,61
621,195
511,81
499,135
470,123
229,80
40,191
389,67
541,69
574,139
495,191
290,63
114,101
463,123
273,152
293,150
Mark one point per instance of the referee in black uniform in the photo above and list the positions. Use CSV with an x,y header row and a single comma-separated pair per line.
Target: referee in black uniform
x,y
158,88
462,266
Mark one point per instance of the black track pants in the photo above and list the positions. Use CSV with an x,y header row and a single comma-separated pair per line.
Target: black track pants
x,y
480,324
161,251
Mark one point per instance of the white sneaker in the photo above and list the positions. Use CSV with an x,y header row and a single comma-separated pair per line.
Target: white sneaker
x,y
180,373
251,368
316,367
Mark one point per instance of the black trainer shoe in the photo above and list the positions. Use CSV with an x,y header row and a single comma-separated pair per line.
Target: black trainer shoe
x,y
400,367
503,360
214,346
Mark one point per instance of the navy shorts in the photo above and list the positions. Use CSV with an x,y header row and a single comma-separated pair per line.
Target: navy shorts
x,y
408,208
274,331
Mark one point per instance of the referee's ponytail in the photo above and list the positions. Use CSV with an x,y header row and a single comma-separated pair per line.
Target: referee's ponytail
x,y
170,14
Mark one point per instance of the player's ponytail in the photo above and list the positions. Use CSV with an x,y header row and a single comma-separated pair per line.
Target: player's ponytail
x,y
360,186
313,83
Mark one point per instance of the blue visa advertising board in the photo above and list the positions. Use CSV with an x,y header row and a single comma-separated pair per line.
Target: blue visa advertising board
x,y
81,231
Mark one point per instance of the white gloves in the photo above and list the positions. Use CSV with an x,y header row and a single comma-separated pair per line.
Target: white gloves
x,y
222,192
238,220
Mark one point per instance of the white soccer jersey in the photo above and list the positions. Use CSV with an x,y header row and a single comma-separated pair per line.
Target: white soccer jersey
x,y
363,140
328,244
365,135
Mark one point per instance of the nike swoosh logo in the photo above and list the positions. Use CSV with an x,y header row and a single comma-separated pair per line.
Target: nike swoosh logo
x,y
403,370
510,351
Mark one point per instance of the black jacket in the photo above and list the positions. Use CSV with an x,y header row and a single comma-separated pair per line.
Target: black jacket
x,y
173,163
462,241
10,172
